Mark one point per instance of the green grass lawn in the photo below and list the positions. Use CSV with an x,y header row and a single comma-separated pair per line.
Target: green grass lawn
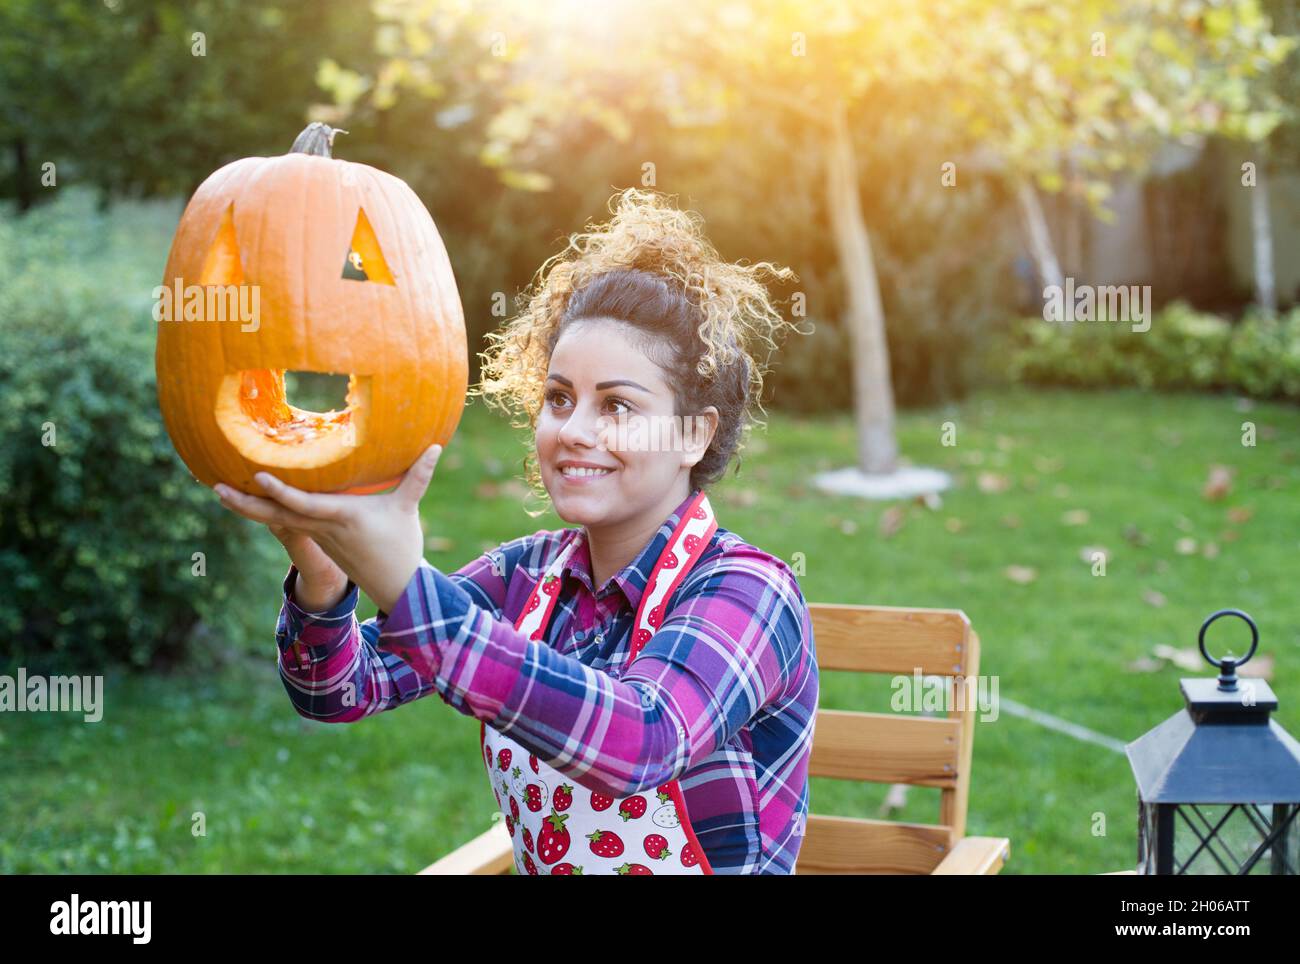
x,y
1060,471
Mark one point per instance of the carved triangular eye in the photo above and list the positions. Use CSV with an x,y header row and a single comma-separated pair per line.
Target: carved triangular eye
x,y
365,260
221,265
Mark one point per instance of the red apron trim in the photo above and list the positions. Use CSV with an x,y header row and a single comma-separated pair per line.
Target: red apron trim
x,y
684,549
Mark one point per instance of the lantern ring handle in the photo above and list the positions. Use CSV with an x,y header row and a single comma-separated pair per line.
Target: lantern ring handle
x,y
1254,636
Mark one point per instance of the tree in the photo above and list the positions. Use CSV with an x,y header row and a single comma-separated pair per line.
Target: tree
x,y
1019,76
151,96
1077,93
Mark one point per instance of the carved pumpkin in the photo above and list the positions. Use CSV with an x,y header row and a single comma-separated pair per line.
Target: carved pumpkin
x,y
348,275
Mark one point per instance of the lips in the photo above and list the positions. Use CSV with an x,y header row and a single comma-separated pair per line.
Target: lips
x,y
581,472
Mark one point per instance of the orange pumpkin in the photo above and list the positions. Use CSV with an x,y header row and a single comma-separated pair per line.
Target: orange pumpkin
x,y
339,269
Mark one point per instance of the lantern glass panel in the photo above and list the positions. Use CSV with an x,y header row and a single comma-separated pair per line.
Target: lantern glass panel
x,y
1234,839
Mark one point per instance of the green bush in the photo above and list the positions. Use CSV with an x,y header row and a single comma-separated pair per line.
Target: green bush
x,y
1264,360
99,520
1183,350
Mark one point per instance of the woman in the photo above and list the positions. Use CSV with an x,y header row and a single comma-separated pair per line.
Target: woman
x,y
646,681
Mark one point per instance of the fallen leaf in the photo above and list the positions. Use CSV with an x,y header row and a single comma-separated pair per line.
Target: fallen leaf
x,y
1259,667
894,800
1075,517
1229,535
931,500
741,497
487,489
1189,659
1210,550
1023,575
1185,547
891,520
1089,554
1153,598
1240,513
1135,536
848,527
1218,484
953,524
991,482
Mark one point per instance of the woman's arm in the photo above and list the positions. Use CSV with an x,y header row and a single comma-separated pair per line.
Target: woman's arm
x,y
733,644
329,663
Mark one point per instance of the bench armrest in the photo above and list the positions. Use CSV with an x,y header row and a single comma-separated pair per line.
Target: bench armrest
x,y
976,855
491,852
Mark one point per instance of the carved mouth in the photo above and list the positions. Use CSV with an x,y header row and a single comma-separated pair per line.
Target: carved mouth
x,y
253,412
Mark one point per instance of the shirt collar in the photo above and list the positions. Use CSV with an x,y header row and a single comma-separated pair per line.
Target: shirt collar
x,y
632,577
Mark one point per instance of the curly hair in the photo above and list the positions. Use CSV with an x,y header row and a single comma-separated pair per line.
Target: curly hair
x,y
703,320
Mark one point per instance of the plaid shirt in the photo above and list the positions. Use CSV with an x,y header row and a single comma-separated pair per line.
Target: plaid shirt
x,y
722,698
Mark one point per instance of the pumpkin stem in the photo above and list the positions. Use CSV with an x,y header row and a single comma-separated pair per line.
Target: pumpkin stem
x,y
316,139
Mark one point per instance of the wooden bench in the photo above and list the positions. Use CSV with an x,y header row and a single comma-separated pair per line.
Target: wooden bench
x,y
889,748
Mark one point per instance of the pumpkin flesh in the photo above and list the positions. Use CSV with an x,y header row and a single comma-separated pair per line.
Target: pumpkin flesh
x,y
254,414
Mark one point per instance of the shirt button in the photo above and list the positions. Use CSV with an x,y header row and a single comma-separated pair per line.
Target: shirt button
x,y
579,636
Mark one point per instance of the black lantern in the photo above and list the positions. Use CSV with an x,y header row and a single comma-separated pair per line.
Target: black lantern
x,y
1219,783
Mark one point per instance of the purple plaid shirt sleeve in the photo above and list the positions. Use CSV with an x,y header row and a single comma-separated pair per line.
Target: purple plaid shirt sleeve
x,y
333,667
733,643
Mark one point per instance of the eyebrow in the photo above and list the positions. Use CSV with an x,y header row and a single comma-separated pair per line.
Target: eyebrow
x,y
601,386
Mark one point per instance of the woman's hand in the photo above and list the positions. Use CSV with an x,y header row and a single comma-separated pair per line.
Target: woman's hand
x,y
374,539
321,584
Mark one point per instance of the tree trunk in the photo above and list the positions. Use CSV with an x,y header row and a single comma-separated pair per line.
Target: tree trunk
x,y
22,175
1261,230
873,392
1040,239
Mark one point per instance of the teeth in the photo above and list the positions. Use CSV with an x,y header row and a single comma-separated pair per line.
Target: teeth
x,y
571,470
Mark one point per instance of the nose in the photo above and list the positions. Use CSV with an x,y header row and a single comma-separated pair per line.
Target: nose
x,y
581,429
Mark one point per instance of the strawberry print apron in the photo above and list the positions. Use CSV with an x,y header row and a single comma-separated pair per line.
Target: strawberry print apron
x,y
558,827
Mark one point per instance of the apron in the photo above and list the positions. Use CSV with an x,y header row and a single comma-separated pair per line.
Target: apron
x,y
559,828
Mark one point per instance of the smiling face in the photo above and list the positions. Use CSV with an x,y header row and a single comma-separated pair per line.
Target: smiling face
x,y
609,405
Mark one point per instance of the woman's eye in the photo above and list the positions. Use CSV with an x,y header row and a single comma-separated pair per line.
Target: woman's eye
x,y
556,399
